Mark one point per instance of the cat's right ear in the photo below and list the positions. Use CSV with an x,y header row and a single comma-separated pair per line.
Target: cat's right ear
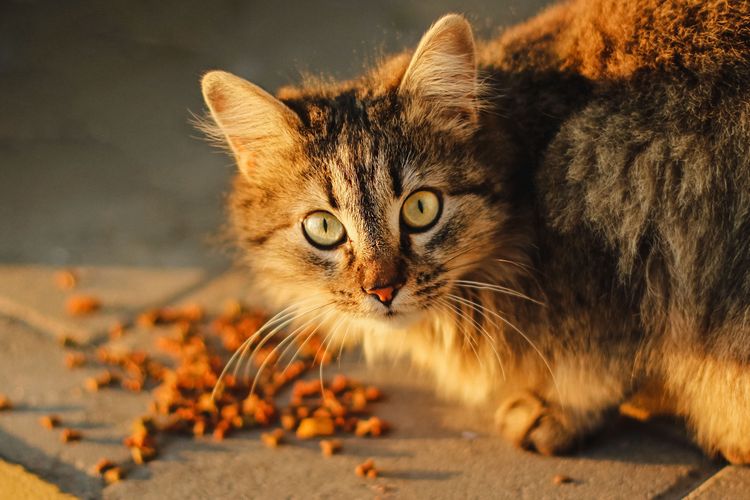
x,y
257,127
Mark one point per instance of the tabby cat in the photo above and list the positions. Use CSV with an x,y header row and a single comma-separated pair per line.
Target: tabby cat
x,y
544,221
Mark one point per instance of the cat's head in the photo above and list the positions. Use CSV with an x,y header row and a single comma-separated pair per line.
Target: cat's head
x,y
372,196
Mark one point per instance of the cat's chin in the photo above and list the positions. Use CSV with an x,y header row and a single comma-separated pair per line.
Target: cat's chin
x,y
391,320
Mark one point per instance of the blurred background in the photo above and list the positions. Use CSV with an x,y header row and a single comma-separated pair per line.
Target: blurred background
x,y
99,164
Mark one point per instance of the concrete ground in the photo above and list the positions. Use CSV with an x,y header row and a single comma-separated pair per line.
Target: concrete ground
x,y
101,171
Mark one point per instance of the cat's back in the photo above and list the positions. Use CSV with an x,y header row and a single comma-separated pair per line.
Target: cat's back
x,y
615,39
655,164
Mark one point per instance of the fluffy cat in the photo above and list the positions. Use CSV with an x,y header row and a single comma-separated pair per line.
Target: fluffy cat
x,y
544,221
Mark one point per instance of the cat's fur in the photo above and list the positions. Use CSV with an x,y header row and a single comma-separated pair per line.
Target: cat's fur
x,y
596,163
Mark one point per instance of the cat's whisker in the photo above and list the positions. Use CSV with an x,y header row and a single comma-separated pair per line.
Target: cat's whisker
x,y
343,343
293,316
517,330
330,336
289,338
303,344
472,341
245,345
487,336
479,285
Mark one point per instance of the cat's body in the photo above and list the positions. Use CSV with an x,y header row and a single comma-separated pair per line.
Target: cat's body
x,y
596,169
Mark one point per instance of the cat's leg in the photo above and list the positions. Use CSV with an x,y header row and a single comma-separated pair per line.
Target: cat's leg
x,y
714,396
555,414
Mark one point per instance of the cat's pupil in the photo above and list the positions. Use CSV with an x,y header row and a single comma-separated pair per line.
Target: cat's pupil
x,y
419,206
325,225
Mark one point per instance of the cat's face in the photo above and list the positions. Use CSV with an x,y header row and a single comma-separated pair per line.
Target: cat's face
x,y
365,202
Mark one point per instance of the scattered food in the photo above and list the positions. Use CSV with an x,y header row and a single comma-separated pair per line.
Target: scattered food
x,y
75,360
559,479
315,426
113,475
66,279
102,466
371,427
80,305
70,435
330,447
5,403
49,421
367,469
272,439
116,331
190,396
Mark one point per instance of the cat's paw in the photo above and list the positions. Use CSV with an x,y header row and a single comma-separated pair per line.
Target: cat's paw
x,y
735,456
529,423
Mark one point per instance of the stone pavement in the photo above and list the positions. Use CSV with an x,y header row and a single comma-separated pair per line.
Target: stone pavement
x,y
101,171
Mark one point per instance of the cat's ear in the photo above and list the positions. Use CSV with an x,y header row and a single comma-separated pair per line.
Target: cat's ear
x,y
441,79
257,127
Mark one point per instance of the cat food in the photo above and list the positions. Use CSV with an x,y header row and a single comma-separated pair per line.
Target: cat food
x,y
183,402
66,280
315,426
75,360
5,403
80,305
272,439
102,466
113,475
70,435
559,479
49,421
329,447
367,469
371,427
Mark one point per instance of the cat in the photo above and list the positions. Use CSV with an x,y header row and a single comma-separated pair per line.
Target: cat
x,y
545,221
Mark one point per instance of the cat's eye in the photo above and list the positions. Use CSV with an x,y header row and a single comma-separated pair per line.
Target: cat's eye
x,y
323,230
421,210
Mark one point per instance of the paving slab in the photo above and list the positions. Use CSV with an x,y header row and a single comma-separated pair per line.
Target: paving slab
x,y
729,482
30,293
437,449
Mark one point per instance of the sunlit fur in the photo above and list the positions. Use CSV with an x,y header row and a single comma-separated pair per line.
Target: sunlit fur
x,y
593,169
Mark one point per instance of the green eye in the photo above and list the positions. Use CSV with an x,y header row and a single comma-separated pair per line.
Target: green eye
x,y
421,210
323,230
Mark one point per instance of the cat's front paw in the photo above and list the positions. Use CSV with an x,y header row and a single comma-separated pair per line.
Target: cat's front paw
x,y
530,423
735,456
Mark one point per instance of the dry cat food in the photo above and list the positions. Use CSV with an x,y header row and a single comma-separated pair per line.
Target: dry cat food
x,y
5,403
559,479
191,352
367,469
66,279
70,435
329,447
49,421
79,305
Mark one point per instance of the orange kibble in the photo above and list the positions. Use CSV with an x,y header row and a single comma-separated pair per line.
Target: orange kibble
x,y
373,394
372,474
288,422
272,439
70,435
49,421
75,360
559,479
142,454
5,403
79,305
66,279
330,447
102,466
116,331
315,426
199,428
113,475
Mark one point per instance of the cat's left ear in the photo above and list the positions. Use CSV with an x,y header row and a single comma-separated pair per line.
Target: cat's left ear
x,y
441,83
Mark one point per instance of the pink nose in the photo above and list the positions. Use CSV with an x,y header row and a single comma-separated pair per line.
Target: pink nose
x,y
384,294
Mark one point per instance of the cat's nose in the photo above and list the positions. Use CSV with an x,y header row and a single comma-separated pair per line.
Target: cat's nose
x,y
386,293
